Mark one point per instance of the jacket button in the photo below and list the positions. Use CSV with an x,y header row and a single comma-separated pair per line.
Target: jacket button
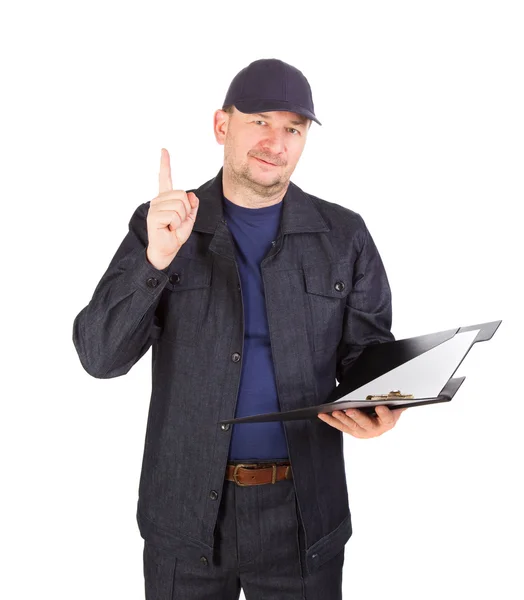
x,y
152,282
273,242
314,556
213,495
339,286
235,357
174,278
203,560
224,426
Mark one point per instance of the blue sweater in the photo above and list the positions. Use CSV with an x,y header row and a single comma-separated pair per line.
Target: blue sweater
x,y
253,230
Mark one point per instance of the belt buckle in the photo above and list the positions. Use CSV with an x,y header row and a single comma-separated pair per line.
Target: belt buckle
x,y
235,472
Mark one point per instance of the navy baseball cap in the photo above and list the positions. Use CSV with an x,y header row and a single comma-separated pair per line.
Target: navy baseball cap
x,y
271,84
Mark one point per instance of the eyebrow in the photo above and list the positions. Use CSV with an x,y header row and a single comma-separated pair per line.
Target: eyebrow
x,y
302,121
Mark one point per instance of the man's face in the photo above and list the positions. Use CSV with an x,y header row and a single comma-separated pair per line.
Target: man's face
x,y
277,137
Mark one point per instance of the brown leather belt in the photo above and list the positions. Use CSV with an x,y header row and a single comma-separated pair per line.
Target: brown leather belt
x,y
258,473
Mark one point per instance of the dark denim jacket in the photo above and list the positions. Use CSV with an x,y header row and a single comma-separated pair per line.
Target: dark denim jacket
x,y
327,297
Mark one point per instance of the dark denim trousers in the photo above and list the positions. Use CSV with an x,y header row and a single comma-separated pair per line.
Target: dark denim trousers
x,y
260,541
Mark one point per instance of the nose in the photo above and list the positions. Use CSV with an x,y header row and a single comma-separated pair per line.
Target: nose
x,y
274,143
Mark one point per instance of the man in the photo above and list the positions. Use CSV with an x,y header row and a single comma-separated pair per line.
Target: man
x,y
254,297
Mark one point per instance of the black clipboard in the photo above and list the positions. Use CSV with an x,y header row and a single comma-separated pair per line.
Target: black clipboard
x,y
413,363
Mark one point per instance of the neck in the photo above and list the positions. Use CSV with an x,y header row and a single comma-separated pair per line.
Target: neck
x,y
250,197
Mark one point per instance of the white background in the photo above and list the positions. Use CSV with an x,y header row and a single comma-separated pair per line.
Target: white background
x,y
422,129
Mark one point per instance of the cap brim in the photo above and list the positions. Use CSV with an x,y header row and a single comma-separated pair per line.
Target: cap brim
x,y
255,106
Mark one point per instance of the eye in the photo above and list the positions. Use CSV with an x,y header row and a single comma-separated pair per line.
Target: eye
x,y
290,128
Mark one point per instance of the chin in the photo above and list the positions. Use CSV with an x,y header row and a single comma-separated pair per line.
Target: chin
x,y
266,179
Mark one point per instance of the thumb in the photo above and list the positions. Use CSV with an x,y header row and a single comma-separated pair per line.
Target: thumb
x,y
195,202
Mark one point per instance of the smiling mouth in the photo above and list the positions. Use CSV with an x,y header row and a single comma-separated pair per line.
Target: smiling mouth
x,y
264,162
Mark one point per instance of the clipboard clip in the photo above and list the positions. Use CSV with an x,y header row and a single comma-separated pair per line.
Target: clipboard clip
x,y
394,395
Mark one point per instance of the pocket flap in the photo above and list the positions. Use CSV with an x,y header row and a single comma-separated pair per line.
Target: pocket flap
x,y
188,274
328,279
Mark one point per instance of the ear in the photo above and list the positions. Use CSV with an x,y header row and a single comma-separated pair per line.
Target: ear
x,y
220,125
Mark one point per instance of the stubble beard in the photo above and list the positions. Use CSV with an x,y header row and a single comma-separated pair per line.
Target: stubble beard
x,y
242,177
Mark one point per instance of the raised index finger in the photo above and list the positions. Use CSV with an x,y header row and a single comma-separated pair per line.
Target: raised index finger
x,y
164,178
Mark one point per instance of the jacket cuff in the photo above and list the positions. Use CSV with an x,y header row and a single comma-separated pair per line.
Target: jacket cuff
x,y
148,277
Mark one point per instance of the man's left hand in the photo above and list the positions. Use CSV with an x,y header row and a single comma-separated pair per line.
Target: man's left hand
x,y
360,425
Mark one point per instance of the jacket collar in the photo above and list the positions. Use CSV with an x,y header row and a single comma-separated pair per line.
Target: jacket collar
x,y
299,214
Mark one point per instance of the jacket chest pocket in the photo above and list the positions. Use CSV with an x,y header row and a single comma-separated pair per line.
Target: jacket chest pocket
x,y
184,298
327,286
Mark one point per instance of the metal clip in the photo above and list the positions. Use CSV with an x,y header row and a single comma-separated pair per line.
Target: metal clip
x,y
394,395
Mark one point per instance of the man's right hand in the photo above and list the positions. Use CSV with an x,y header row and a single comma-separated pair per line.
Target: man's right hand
x,y
170,218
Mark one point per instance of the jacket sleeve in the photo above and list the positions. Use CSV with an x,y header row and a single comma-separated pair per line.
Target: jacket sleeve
x,y
118,325
368,311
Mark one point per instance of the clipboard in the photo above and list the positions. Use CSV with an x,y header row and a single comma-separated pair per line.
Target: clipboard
x,y
402,373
